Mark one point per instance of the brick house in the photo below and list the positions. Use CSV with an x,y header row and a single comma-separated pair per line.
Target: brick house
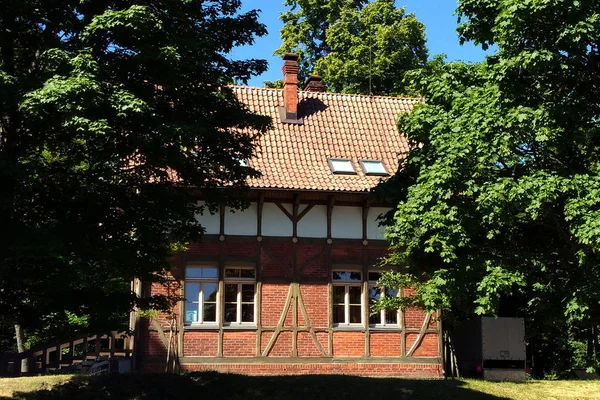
x,y
285,286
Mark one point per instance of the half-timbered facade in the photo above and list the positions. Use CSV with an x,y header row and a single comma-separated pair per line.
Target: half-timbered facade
x,y
285,285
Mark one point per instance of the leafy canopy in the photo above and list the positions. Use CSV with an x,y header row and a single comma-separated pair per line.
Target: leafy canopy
x,y
500,193
110,112
357,46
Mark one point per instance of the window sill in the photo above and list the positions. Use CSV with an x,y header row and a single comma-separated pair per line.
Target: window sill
x,y
358,328
215,327
240,327
210,327
385,328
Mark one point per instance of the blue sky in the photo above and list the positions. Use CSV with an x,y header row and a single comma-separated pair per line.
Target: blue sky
x,y
437,15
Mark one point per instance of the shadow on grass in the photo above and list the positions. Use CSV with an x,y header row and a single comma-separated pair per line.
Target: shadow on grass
x,y
211,385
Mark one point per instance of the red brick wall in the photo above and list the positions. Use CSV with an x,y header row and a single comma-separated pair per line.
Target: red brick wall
x,y
273,299
307,346
283,345
316,301
385,344
201,343
428,347
348,344
239,343
151,344
312,261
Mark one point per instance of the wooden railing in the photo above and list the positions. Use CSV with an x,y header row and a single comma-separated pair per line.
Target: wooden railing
x,y
63,354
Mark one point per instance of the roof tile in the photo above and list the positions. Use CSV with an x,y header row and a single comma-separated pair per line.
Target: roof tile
x,y
335,125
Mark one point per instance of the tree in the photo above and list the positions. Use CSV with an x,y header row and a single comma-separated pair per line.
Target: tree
x,y
357,46
111,113
499,195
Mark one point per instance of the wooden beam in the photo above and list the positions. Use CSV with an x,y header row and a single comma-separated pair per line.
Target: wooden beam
x,y
330,205
302,360
221,296
259,213
257,318
419,338
286,267
305,211
283,210
308,323
314,258
159,329
295,319
222,220
403,328
367,311
330,315
275,335
295,207
365,215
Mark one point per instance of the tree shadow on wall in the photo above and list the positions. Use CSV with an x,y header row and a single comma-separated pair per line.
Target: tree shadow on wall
x,y
211,385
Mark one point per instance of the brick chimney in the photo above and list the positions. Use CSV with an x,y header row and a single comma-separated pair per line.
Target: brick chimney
x,y
290,86
314,83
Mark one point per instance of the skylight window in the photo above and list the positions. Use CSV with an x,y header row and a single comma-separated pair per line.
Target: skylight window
x,y
373,167
341,166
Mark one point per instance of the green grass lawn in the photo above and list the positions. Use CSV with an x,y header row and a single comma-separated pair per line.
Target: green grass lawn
x,y
226,386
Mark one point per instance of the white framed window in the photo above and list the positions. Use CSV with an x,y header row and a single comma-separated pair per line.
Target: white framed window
x,y
341,166
239,300
383,318
201,294
347,301
373,167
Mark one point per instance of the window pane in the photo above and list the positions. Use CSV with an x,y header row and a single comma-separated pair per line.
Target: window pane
x,y
355,312
248,273
232,273
193,272
338,294
247,312
391,292
374,294
192,291
391,317
342,166
210,313
356,276
338,314
347,276
230,313
191,312
210,272
248,293
231,293
201,272
374,276
375,319
355,294
210,292
374,167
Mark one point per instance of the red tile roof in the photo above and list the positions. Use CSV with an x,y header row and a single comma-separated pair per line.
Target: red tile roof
x,y
356,127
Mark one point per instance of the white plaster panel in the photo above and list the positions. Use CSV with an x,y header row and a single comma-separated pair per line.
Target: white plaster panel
x,y
314,223
346,222
209,221
374,231
241,222
275,222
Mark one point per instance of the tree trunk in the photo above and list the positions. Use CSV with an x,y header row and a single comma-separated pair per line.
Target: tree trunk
x,y
590,345
20,335
596,345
